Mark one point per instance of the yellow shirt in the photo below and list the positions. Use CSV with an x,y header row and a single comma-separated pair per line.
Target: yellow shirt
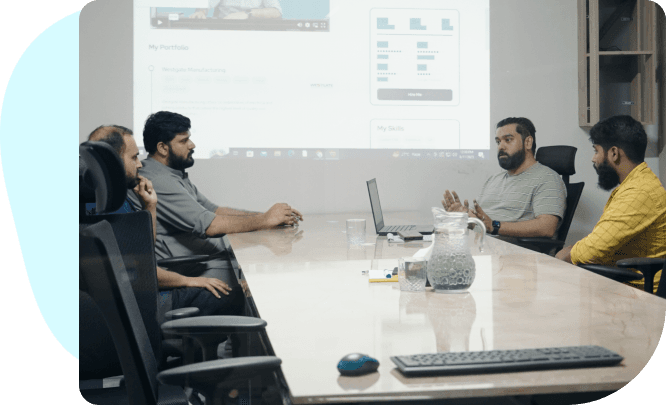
x,y
633,224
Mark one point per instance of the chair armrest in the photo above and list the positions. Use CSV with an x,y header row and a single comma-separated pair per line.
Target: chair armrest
x,y
210,331
639,263
548,242
212,377
180,260
613,273
182,313
206,325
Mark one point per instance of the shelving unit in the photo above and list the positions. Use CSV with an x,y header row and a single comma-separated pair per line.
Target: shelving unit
x,y
617,59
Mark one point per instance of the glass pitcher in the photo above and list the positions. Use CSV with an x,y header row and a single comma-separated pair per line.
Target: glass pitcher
x,y
451,267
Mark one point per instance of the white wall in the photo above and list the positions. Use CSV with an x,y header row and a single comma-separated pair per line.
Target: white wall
x,y
533,74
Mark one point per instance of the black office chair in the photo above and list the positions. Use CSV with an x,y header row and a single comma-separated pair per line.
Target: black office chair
x,y
103,277
100,168
649,267
560,158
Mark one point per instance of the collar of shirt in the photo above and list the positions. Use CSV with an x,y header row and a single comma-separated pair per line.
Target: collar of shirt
x,y
179,173
634,175
535,165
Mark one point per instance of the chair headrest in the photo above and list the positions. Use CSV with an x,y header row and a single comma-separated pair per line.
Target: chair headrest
x,y
560,158
101,177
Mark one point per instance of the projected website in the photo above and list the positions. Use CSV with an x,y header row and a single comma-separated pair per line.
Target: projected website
x,y
318,79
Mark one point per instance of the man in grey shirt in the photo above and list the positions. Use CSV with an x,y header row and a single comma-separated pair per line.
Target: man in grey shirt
x,y
527,199
187,222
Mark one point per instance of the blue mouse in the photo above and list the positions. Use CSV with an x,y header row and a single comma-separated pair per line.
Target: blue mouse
x,y
357,364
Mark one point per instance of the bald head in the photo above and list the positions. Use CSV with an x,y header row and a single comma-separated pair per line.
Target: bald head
x,y
112,135
121,139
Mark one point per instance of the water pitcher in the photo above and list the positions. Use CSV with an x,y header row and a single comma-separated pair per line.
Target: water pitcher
x,y
451,268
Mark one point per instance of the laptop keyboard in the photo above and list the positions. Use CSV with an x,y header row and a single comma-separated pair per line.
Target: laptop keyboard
x,y
398,228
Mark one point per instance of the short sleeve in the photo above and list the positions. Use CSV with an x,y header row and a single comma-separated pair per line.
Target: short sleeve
x,y
177,208
550,197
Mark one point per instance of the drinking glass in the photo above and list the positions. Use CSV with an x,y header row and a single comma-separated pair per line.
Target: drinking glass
x,y
412,274
355,231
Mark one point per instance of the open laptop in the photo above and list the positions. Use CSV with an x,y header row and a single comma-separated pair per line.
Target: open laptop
x,y
383,230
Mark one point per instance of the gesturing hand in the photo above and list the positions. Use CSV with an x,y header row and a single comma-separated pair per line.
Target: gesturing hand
x,y
146,193
211,284
478,212
451,202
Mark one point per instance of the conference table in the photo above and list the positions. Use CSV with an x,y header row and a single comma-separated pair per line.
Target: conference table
x,y
313,290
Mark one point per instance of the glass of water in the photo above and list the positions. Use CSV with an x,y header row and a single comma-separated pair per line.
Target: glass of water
x,y
412,274
356,231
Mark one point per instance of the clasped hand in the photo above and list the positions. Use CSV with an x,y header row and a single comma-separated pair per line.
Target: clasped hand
x,y
282,214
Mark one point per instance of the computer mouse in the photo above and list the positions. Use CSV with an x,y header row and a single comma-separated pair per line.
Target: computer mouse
x,y
357,364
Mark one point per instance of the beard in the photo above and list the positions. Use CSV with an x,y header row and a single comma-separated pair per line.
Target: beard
x,y
608,177
511,162
179,163
132,181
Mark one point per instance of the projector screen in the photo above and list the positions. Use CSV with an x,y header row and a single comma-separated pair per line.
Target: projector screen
x,y
318,79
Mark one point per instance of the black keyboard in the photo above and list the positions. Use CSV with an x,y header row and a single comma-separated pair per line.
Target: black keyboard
x,y
502,361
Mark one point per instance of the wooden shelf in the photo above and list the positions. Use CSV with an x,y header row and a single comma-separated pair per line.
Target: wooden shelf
x,y
617,82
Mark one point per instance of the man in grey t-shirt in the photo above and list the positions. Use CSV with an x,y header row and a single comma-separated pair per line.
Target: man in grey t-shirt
x,y
527,199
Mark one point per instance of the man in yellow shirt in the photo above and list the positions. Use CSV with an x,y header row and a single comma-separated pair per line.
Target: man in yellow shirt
x,y
633,223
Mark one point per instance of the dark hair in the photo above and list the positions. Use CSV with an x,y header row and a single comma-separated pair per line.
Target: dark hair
x,y
623,132
112,135
523,126
163,126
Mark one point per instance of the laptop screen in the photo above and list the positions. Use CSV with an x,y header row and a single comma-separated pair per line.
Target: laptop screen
x,y
376,206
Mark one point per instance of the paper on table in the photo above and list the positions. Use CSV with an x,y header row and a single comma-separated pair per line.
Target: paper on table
x,y
425,252
382,276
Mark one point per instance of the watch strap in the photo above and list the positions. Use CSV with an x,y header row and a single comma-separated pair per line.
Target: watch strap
x,y
496,227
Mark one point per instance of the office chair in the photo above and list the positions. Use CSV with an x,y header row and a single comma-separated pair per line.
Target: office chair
x,y
99,171
647,266
103,277
560,158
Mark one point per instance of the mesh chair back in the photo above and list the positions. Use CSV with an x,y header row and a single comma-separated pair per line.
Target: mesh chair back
x,y
133,235
561,158
102,275
574,191
101,170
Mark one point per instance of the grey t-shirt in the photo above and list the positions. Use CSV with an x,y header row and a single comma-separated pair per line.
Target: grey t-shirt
x,y
183,213
536,191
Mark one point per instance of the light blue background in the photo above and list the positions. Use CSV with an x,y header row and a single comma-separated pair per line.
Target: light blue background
x,y
38,139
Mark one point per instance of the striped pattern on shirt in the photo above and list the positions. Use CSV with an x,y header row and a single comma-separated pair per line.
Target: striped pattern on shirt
x,y
537,191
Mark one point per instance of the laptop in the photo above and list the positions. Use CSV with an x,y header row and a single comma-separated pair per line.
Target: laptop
x,y
383,230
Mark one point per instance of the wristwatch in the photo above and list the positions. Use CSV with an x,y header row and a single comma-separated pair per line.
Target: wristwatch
x,y
496,227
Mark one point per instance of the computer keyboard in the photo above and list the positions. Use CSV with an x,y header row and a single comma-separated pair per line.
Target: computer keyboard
x,y
398,228
502,361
